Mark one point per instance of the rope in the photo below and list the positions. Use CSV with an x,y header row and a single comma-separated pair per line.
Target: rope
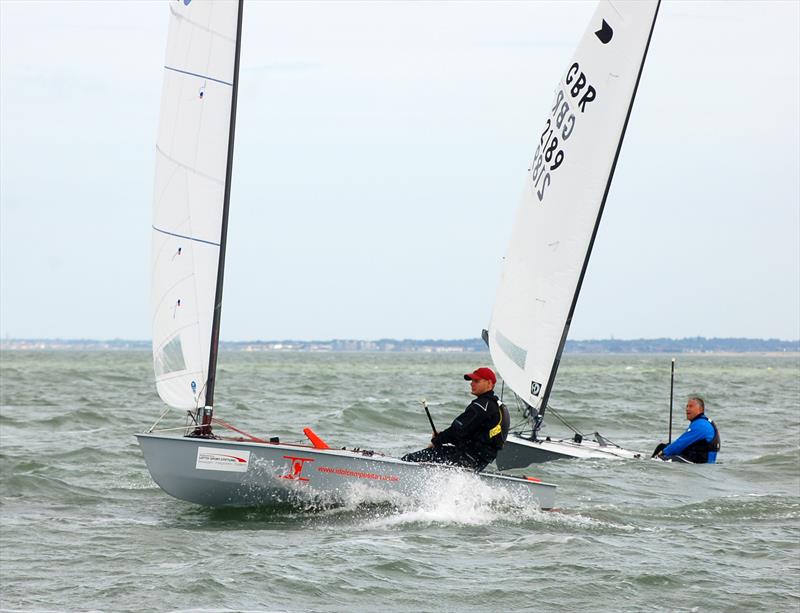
x,y
224,424
216,420
526,414
160,417
519,427
564,421
600,439
525,411
186,426
168,429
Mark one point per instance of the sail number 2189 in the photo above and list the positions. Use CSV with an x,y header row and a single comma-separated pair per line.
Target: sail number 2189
x,y
559,127
548,158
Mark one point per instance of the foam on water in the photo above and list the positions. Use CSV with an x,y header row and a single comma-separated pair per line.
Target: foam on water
x,y
457,499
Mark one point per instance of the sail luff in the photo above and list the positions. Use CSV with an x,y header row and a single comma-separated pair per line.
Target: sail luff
x,y
215,326
563,341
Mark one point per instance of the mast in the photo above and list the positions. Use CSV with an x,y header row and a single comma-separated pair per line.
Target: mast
x,y
562,342
208,410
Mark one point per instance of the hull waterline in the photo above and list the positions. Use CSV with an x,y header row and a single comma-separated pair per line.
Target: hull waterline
x,y
224,473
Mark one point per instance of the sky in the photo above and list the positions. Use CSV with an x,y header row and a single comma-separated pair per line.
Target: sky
x,y
381,151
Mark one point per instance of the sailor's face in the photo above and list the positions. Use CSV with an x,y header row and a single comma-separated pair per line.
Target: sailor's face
x,y
479,386
692,409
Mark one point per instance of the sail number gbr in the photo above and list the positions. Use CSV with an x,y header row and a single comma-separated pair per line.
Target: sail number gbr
x,y
559,127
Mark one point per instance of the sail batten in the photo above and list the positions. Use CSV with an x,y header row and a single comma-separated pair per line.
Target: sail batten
x,y
184,236
190,192
193,74
564,196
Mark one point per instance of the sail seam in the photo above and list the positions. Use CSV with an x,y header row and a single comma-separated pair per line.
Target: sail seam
x,y
188,238
198,25
178,374
189,168
202,76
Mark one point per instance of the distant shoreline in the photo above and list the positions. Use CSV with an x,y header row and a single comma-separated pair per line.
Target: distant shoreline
x,y
694,345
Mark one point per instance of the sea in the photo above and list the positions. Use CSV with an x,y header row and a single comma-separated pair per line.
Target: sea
x,y
84,528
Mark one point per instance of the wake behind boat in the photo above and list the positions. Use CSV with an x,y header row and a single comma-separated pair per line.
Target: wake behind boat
x,y
191,203
557,222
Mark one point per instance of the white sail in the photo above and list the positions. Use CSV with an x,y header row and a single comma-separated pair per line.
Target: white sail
x,y
191,161
564,195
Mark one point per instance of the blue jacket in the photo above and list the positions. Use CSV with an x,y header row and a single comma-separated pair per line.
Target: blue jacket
x,y
700,434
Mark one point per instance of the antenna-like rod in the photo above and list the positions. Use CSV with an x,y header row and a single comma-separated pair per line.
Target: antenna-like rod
x,y
671,382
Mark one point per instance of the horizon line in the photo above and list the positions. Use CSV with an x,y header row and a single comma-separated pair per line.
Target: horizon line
x,y
406,339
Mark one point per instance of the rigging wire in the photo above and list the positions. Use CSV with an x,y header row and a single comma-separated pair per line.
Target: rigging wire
x,y
551,409
526,410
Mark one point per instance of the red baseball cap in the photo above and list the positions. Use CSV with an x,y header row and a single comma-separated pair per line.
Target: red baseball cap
x,y
481,373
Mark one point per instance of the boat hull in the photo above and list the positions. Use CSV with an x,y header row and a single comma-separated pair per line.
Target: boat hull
x,y
224,473
519,451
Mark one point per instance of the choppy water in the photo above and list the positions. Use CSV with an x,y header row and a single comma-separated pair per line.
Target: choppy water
x,y
83,527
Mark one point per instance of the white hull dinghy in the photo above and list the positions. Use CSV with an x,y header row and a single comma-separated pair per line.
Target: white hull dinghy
x,y
190,217
521,451
222,473
558,218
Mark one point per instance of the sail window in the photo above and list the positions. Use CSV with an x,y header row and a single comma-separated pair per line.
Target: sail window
x,y
170,357
515,353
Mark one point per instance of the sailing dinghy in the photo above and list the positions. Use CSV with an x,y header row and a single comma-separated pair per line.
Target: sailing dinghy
x,y
191,201
557,221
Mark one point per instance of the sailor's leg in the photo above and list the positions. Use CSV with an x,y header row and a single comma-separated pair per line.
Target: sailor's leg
x,y
446,454
474,460
423,455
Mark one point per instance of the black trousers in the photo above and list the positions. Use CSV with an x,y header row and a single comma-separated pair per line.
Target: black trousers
x,y
447,454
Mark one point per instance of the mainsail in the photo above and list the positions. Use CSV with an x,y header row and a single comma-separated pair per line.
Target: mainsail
x,y
564,196
192,189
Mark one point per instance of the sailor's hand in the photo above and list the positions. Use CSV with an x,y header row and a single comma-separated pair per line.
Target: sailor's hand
x,y
659,448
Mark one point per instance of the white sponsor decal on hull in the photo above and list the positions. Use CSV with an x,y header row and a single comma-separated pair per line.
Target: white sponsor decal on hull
x,y
231,460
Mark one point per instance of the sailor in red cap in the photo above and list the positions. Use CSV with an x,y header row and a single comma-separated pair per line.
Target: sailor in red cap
x,y
475,436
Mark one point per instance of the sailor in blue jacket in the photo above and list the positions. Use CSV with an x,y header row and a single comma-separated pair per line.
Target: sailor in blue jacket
x,y
699,444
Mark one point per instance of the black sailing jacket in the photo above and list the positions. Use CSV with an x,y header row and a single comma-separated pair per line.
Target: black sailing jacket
x,y
471,431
